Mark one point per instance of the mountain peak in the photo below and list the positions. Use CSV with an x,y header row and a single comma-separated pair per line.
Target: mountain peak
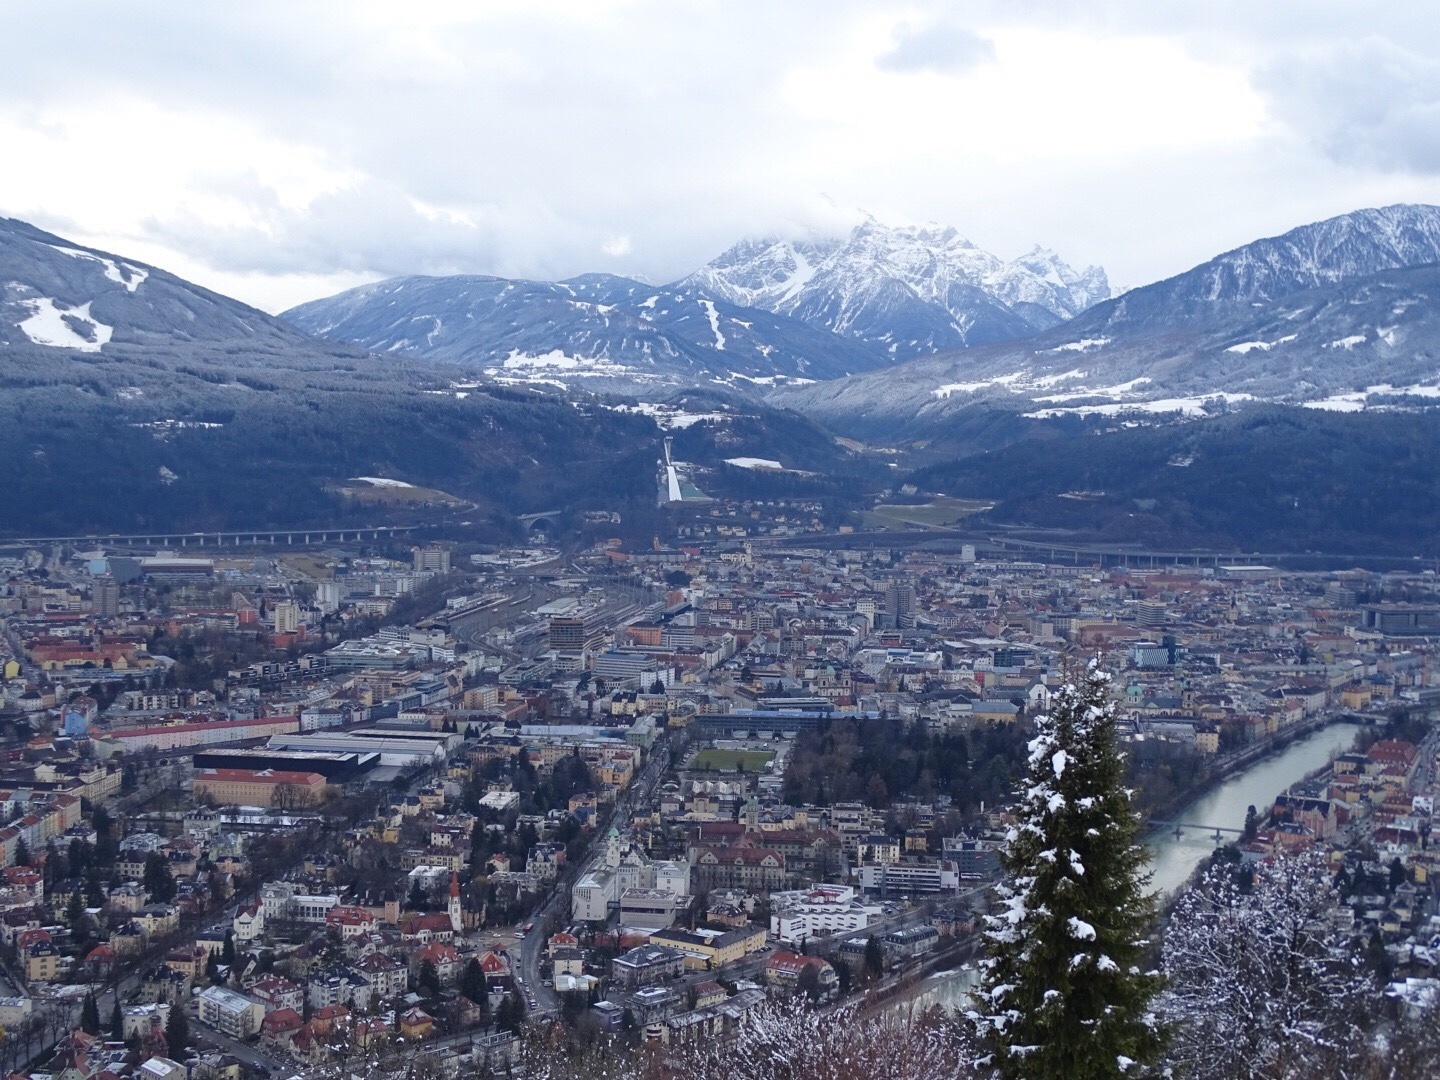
x,y
909,289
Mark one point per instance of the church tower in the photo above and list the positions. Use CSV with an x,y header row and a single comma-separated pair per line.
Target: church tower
x,y
454,907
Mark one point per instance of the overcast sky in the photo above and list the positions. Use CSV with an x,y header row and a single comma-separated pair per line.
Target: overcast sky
x,y
280,151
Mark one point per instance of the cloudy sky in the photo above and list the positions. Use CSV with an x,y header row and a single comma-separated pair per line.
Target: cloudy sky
x,y
280,151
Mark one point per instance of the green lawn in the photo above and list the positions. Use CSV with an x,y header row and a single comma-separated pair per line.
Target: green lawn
x,y
716,760
940,513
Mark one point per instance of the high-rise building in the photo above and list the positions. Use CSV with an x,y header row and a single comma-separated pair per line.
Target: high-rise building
x,y
287,617
900,605
328,595
577,631
1342,593
434,557
1150,613
107,597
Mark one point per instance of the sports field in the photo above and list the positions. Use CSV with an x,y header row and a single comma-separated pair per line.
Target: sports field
x,y
719,760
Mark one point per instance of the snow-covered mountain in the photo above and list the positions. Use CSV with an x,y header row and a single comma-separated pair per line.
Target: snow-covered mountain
x,y
1325,252
593,330
909,291
1340,314
56,295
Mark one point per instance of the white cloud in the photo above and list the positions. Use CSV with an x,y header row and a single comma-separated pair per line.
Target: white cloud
x,y
1363,102
617,246
277,149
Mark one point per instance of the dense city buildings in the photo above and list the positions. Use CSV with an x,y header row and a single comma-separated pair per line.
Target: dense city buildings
x,y
339,794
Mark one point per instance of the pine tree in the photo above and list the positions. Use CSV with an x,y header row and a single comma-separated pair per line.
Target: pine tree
x,y
22,852
472,983
117,1020
511,1014
177,1033
90,1016
874,958
156,878
1062,994
94,891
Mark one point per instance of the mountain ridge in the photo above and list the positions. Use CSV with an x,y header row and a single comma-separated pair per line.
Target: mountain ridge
x,y
909,290
1322,315
594,326
764,311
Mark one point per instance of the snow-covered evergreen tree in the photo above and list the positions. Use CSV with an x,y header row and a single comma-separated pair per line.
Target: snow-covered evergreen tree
x,y
1063,994
1262,979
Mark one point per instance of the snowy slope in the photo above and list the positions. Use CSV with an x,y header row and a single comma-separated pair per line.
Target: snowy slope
x,y
910,291
1325,252
1343,315
593,327
56,295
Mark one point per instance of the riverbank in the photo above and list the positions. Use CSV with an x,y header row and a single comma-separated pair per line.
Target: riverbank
x,y
1175,855
941,966
1173,808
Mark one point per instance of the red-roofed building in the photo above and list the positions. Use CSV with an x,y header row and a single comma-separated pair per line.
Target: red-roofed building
x,y
785,969
352,921
424,928
326,1019
445,959
416,1024
1395,757
259,787
562,940
496,969
279,1027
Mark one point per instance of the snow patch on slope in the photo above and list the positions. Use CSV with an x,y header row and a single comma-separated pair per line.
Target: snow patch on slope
x,y
131,276
1197,405
1083,345
51,323
754,463
714,317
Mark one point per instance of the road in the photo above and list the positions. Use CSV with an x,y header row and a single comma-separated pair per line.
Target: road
x,y
532,945
250,1055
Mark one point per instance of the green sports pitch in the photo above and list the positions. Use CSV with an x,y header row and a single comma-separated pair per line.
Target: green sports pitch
x,y
720,760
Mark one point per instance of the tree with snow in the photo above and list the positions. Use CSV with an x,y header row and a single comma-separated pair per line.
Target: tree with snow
x,y
790,1040
1259,980
1062,994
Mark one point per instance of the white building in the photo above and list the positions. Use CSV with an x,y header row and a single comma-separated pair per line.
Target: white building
x,y
287,617
821,909
624,867
229,1012
280,900
161,1068
933,877
592,895
648,909
500,801
329,595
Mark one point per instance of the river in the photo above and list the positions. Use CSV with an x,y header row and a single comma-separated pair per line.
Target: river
x,y
1174,859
